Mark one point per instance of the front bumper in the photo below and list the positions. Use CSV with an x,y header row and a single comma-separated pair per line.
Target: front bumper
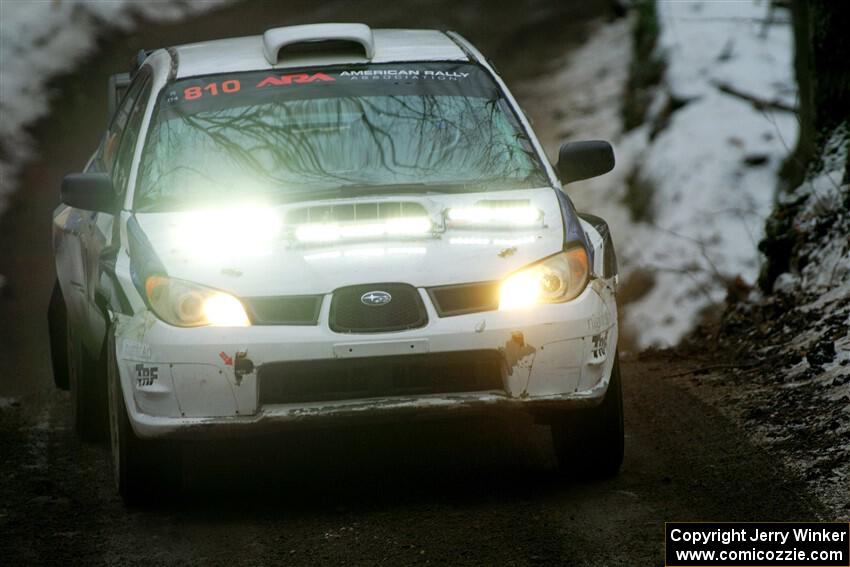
x,y
203,382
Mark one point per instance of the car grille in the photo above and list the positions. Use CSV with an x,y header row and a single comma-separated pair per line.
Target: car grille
x,y
284,310
405,310
465,298
356,378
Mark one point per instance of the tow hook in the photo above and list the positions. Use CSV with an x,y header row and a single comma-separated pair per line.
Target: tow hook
x,y
242,365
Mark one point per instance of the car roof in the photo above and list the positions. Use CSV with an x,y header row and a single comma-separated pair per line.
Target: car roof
x,y
247,53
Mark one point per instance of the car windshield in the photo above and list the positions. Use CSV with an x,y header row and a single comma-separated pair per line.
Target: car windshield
x,y
305,134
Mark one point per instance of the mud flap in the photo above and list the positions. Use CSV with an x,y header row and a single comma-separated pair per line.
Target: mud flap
x,y
57,322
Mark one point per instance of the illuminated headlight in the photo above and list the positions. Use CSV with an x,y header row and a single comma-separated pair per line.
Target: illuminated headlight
x,y
242,231
185,304
556,279
331,232
517,215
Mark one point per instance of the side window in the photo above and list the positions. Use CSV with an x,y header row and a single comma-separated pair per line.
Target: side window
x,y
124,160
109,147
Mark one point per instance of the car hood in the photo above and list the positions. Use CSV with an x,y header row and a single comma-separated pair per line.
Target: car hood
x,y
257,251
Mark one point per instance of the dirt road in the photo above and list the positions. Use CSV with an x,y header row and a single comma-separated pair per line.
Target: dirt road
x,y
466,493
458,493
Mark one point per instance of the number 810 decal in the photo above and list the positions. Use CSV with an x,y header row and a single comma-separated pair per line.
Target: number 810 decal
x,y
229,86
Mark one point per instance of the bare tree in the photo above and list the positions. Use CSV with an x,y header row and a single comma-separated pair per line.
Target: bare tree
x,y
822,53
822,68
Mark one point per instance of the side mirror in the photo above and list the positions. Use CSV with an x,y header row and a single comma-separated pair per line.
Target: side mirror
x,y
583,160
89,191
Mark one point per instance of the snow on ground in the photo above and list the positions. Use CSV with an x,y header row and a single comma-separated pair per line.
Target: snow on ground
x,y
823,221
40,39
797,402
707,204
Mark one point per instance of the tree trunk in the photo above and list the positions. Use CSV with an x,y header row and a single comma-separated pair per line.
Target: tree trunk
x,y
822,67
794,169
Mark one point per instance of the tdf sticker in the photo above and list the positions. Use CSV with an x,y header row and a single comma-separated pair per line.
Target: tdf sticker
x,y
600,345
146,375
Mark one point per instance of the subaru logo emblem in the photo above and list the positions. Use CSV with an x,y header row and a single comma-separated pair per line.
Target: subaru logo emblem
x,y
375,298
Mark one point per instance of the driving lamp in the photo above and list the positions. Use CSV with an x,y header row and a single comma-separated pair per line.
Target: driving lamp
x,y
331,232
243,231
484,215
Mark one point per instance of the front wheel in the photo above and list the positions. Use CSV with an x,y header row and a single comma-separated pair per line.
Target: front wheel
x,y
589,444
144,470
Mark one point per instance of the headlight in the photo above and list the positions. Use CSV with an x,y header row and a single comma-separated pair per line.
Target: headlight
x,y
185,304
556,279
331,232
235,231
496,213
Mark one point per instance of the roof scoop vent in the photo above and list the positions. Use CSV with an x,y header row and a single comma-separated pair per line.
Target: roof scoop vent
x,y
319,37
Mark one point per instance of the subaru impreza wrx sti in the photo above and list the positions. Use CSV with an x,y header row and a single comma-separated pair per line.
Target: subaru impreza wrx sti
x,y
328,223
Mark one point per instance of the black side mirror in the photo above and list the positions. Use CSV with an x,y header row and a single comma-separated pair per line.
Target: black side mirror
x,y
89,191
583,160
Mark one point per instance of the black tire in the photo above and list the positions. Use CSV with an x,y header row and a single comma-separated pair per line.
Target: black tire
x,y
144,471
589,444
86,380
57,327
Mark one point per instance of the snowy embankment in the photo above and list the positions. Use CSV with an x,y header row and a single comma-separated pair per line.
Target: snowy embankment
x,y
800,406
40,40
693,184
707,166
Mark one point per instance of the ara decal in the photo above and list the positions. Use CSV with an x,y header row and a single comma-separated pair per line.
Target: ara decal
x,y
232,86
226,359
297,78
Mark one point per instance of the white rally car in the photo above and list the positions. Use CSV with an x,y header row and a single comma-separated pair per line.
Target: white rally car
x,y
329,223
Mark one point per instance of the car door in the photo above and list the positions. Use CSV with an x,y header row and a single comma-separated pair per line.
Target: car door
x,y
105,226
82,235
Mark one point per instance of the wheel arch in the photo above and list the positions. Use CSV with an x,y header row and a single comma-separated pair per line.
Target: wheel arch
x,y
608,264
